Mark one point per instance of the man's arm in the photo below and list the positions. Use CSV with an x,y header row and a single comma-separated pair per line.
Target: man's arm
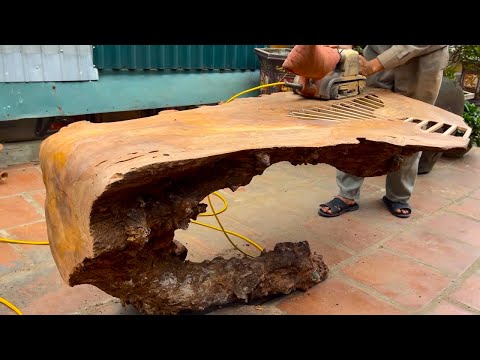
x,y
395,56
399,54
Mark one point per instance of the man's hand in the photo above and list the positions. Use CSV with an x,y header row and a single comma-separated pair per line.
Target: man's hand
x,y
371,67
367,68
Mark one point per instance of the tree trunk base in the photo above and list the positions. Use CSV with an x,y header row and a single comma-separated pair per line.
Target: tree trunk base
x,y
169,285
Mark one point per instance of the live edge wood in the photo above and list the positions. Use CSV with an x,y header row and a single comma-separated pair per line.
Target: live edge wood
x,y
116,192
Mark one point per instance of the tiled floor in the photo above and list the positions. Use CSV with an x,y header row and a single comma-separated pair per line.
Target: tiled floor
x,y
379,264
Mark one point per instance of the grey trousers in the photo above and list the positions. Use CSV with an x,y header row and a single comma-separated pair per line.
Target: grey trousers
x,y
420,78
399,184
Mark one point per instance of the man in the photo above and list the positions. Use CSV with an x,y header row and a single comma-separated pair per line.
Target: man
x,y
415,71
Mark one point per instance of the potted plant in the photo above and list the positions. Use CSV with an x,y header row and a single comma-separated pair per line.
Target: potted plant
x,y
468,56
466,60
471,115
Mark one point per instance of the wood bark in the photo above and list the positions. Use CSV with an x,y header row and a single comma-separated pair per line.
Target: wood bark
x,y
116,192
163,283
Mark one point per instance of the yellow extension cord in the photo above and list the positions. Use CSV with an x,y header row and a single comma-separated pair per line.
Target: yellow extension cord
x,y
213,213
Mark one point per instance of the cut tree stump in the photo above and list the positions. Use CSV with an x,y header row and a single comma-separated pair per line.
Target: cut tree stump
x,y
116,192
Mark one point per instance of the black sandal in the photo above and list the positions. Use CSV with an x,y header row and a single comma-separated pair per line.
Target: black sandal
x,y
394,205
338,207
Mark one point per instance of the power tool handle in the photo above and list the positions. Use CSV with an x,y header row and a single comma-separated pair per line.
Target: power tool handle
x,y
294,85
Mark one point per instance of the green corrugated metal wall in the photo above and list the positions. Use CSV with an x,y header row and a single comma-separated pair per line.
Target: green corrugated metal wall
x,y
137,90
176,57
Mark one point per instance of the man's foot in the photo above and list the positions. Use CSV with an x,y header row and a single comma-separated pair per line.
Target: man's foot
x,y
399,209
337,206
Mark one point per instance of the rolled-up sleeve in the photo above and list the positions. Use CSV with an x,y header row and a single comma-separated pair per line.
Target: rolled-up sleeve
x,y
399,54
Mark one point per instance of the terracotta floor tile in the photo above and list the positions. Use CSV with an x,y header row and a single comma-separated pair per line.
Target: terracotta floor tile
x,y
370,190
446,308
33,164
15,210
4,310
469,292
109,308
347,230
39,197
439,187
44,292
435,250
33,232
468,162
247,310
22,180
475,194
449,177
299,172
375,213
331,255
404,281
204,244
376,181
335,297
65,300
427,203
9,258
467,206
453,226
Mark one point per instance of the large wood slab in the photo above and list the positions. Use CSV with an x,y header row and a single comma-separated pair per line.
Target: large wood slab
x,y
116,192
